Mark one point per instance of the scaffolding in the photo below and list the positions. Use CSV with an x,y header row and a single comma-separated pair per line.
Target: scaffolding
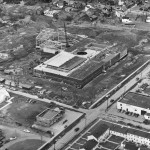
x,y
54,39
43,36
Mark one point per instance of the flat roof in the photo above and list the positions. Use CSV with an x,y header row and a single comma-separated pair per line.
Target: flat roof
x,y
48,114
120,129
45,68
130,146
85,70
136,99
109,145
99,57
109,57
89,145
144,148
72,63
59,59
99,130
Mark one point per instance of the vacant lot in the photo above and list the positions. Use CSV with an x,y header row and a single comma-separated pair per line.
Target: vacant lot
x,y
24,112
27,145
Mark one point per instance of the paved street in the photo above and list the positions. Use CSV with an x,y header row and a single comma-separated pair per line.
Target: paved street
x,y
20,134
92,114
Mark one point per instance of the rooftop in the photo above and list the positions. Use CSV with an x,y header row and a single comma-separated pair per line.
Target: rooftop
x,y
109,57
130,146
99,130
89,145
72,63
119,129
109,145
86,69
59,59
136,99
144,148
48,114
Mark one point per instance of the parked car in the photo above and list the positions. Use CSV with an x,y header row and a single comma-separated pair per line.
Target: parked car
x,y
28,99
75,106
130,124
12,138
130,113
26,130
136,115
50,133
119,110
127,112
12,88
112,100
65,121
139,127
145,122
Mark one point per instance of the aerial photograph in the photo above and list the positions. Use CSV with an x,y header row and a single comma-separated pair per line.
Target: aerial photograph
x,y
74,74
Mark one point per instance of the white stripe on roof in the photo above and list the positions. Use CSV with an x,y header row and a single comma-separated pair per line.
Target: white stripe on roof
x,y
59,59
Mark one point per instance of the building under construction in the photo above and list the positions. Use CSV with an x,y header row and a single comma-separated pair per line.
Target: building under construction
x,y
54,41
80,66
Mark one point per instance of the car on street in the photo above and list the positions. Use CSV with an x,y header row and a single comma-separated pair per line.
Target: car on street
x,y
76,129
26,130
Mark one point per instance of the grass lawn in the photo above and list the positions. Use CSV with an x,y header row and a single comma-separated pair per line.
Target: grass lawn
x,y
27,145
23,112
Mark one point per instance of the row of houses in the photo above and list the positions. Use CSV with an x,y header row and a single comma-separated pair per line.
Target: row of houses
x,y
103,131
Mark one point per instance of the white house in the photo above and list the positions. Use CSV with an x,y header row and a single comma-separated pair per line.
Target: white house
x,y
130,134
138,136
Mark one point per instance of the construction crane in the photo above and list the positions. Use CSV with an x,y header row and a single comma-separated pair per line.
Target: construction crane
x,y
67,44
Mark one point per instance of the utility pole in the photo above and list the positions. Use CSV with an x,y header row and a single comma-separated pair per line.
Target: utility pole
x,y
54,144
85,120
107,105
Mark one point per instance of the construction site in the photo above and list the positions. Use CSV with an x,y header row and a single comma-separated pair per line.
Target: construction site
x,y
71,55
63,63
